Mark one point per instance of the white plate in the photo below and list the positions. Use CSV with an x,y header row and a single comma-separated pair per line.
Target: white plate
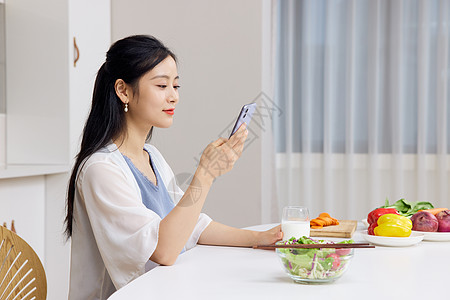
x,y
435,236
414,238
364,221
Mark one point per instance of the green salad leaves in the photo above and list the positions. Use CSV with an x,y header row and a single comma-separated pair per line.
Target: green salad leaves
x,y
406,208
314,263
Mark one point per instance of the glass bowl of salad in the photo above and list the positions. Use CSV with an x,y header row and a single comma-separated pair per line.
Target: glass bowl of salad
x,y
314,265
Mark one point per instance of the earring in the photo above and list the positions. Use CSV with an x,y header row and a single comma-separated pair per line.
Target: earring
x,y
126,107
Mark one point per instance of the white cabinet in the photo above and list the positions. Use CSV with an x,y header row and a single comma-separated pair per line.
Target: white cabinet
x,y
2,58
47,101
2,87
47,97
90,25
37,85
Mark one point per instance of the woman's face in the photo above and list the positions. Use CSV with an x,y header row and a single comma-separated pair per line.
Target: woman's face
x,y
154,103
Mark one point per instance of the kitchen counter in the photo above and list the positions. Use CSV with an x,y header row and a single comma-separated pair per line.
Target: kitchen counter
x,y
210,272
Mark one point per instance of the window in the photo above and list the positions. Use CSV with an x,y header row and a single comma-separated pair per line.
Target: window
x,y
363,76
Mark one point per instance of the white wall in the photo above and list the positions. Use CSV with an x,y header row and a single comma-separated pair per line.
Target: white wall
x,y
218,44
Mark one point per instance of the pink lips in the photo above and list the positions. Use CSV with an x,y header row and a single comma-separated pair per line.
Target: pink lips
x,y
169,111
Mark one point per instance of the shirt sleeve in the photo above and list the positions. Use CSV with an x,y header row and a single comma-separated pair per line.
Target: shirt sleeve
x,y
126,232
202,223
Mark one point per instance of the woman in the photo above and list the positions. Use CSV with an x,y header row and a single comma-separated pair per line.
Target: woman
x,y
125,212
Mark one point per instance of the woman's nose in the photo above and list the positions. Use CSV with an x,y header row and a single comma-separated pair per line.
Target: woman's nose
x,y
173,96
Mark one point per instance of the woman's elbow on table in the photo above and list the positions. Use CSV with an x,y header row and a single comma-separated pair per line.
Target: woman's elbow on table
x,y
164,259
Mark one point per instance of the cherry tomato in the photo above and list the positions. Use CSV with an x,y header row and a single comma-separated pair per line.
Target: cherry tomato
x,y
343,251
336,262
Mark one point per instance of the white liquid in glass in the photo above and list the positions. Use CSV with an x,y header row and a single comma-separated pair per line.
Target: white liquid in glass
x,y
295,229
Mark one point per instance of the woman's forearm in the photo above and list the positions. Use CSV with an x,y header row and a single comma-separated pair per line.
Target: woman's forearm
x,y
223,235
176,228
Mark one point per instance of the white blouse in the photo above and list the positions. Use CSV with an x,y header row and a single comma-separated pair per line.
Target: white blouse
x,y
114,234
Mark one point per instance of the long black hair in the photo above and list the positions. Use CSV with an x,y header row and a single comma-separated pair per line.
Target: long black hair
x,y
127,59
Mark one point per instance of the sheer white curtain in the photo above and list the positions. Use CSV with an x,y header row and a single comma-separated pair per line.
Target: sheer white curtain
x,y
364,90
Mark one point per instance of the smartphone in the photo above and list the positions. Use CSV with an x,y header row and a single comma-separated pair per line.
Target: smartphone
x,y
245,116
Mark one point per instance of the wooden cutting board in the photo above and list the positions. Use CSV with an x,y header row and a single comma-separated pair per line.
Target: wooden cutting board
x,y
345,229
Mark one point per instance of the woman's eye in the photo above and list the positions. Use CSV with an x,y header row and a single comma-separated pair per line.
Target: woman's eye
x,y
162,86
176,87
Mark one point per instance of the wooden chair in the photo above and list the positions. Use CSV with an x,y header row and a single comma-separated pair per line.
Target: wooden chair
x,y
21,273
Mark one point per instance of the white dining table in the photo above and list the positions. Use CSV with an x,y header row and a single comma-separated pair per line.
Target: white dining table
x,y
420,271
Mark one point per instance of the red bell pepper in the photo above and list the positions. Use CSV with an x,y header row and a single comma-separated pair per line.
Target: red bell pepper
x,y
375,214
371,228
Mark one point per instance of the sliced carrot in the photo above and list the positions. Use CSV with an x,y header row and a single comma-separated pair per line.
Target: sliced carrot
x,y
324,219
318,222
434,211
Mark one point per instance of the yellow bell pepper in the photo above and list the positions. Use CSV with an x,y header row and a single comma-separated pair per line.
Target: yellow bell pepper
x,y
392,218
393,225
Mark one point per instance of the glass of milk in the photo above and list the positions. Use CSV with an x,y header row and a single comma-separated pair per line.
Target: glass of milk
x,y
295,222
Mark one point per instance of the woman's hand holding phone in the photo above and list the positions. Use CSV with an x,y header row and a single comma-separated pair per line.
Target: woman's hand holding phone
x,y
220,156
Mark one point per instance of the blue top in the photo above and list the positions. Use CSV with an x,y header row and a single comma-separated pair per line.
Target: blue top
x,y
154,197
